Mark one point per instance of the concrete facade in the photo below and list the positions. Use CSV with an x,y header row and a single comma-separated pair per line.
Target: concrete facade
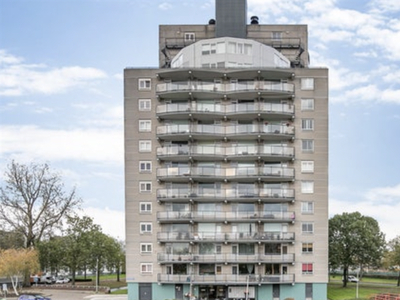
x,y
226,171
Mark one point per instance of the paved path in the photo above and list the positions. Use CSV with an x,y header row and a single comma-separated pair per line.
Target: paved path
x,y
73,295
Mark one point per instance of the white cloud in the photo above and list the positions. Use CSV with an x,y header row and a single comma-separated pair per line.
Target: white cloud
x,y
18,79
383,213
382,6
30,143
111,221
165,6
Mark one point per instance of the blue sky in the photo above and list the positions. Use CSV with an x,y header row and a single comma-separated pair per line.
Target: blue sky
x,y
61,91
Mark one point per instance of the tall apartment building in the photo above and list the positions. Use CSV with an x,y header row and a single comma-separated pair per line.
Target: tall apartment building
x,y
226,164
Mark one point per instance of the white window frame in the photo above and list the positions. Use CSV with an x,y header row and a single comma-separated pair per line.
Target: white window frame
x,y
206,49
307,187
144,104
146,268
146,248
307,272
307,145
144,146
307,84
307,228
307,166
146,227
307,124
145,207
144,125
305,249
144,84
307,207
276,35
307,104
145,166
190,36
145,186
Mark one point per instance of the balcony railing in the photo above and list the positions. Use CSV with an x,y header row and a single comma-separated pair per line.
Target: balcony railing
x,y
257,279
224,194
225,258
228,173
225,109
272,151
226,131
197,216
256,86
237,237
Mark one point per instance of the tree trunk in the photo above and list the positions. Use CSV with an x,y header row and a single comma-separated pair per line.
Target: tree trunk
x,y
345,272
398,279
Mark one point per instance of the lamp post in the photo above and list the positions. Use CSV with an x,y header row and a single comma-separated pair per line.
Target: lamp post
x,y
358,273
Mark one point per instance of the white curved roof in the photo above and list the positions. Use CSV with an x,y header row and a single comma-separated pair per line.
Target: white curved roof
x,y
228,52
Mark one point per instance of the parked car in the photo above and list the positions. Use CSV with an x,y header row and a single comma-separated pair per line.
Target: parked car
x,y
351,278
32,297
62,280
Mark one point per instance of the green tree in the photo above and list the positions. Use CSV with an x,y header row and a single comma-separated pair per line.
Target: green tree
x,y
355,241
33,201
78,243
11,239
104,252
394,256
51,254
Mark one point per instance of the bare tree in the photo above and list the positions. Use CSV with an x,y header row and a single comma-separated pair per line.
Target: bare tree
x,y
33,201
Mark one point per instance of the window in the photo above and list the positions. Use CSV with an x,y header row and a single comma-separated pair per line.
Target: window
x,y
146,268
145,207
307,268
307,104
145,166
307,124
144,83
145,186
307,248
307,207
144,146
145,227
190,36
144,125
248,49
307,228
146,248
307,187
307,145
307,83
277,35
307,166
205,49
144,104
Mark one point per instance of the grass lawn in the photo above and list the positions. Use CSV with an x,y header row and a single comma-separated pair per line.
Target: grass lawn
x,y
365,290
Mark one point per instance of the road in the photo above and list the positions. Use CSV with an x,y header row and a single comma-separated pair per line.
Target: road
x,y
73,295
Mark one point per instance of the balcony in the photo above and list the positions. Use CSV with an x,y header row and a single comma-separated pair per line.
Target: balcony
x,y
182,153
233,111
244,174
209,90
184,132
164,237
225,258
256,279
221,216
233,237
225,195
